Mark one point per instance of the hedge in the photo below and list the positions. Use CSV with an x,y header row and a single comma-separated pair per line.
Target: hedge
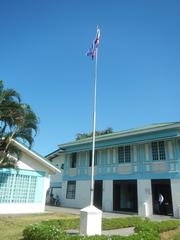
x,y
56,229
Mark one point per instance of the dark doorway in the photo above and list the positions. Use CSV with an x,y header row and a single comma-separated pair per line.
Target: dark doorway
x,y
125,195
161,196
98,186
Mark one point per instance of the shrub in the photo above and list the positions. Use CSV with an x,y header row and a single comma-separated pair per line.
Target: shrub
x,y
42,232
55,229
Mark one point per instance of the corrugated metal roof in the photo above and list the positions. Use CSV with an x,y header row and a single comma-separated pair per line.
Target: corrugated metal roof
x,y
152,127
119,134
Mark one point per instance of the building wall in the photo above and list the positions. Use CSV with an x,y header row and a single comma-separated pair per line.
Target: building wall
x,y
82,197
29,163
21,208
56,179
18,192
58,162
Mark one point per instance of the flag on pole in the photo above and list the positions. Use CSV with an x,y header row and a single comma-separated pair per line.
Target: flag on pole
x,y
97,37
92,51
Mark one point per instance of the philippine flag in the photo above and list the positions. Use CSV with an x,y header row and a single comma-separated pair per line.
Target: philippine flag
x,y
94,46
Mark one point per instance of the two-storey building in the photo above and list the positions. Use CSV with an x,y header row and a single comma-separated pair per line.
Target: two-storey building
x,y
137,170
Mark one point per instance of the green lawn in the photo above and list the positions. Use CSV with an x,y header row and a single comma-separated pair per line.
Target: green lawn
x,y
11,227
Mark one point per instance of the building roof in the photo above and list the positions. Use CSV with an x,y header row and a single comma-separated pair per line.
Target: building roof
x,y
54,154
37,157
152,128
133,131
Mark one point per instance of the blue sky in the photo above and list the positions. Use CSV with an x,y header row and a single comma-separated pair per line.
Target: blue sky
x,y
42,55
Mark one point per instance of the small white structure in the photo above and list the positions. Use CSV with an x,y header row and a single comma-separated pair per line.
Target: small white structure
x,y
23,190
90,221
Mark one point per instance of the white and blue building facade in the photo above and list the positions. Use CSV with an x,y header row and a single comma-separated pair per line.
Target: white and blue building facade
x,y
23,190
131,169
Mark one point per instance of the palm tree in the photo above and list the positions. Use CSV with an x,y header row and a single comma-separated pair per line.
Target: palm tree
x,y
18,122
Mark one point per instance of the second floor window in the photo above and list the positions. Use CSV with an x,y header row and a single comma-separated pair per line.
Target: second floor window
x,y
158,150
90,158
73,160
124,154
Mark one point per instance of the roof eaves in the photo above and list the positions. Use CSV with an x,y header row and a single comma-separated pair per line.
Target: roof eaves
x,y
54,154
134,131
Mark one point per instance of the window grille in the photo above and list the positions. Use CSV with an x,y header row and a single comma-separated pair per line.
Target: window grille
x,y
17,188
124,154
71,190
158,150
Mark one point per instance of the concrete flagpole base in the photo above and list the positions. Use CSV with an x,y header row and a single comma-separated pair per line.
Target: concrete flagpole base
x,y
90,221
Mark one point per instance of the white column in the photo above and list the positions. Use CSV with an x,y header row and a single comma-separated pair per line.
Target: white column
x,y
107,195
175,183
144,198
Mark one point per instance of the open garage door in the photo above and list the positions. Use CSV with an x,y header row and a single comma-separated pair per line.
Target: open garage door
x,y
125,195
161,196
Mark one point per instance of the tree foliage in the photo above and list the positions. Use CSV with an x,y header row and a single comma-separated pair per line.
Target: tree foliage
x,y
17,122
81,136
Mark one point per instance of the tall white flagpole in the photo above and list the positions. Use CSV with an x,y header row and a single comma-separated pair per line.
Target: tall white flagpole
x,y
94,129
90,216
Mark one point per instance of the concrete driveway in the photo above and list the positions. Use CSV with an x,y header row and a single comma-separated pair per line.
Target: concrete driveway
x,y
76,211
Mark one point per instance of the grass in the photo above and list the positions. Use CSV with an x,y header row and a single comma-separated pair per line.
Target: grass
x,y
11,227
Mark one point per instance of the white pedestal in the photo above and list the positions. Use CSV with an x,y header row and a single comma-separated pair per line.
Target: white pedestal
x,y
90,221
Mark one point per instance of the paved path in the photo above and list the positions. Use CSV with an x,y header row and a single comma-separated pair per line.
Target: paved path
x,y
121,232
76,211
